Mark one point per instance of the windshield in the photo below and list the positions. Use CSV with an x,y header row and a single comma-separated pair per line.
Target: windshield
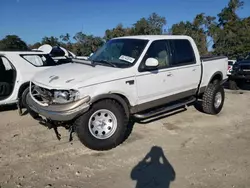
x,y
119,52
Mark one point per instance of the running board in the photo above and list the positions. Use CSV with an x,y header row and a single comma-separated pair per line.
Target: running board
x,y
163,110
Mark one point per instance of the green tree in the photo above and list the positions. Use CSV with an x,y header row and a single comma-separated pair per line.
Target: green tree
x,y
35,46
141,27
65,42
86,44
65,38
231,34
53,41
153,25
197,29
118,31
13,42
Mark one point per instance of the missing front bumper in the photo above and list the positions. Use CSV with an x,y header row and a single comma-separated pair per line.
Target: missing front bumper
x,y
62,112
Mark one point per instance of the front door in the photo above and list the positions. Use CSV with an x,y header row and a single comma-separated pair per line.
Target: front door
x,y
157,84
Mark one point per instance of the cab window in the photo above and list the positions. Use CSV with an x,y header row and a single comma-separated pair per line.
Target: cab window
x,y
159,50
183,53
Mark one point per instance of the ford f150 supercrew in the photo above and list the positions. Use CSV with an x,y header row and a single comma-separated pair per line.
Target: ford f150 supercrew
x,y
136,77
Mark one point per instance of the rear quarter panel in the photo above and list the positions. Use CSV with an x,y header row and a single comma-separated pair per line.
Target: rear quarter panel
x,y
213,67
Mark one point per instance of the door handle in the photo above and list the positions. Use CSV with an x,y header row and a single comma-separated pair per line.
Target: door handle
x,y
194,70
169,74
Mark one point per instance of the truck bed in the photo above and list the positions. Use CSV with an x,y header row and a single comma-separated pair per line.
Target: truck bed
x,y
211,57
213,65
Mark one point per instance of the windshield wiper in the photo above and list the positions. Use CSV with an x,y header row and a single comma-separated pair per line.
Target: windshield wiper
x,y
86,62
106,62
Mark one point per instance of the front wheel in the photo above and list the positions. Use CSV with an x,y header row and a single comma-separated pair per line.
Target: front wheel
x,y
213,99
103,127
23,98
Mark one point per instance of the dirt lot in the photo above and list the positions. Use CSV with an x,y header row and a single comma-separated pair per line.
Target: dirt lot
x,y
188,149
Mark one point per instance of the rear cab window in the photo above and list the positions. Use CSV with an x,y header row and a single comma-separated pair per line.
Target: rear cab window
x,y
39,60
183,53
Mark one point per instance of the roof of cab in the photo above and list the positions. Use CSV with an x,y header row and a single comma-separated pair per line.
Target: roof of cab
x,y
155,37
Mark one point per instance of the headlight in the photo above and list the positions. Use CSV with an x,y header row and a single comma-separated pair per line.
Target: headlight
x,y
65,96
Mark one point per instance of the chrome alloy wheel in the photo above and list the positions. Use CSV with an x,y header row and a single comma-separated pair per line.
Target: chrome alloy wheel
x,y
217,100
102,124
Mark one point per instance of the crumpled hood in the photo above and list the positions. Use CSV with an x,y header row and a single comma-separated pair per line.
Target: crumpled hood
x,y
74,75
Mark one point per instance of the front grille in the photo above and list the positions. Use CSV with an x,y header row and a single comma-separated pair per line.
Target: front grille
x,y
42,95
245,67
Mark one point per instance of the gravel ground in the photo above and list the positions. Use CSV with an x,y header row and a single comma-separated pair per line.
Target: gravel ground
x,y
184,150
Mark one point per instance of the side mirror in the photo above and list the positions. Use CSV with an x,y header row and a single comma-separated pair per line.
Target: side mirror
x,y
151,63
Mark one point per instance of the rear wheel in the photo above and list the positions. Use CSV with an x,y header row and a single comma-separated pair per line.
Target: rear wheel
x,y
213,99
103,127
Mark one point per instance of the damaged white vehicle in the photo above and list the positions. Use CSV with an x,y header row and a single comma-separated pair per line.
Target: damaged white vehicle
x,y
16,70
129,77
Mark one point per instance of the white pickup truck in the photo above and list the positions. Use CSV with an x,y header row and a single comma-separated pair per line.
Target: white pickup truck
x,y
129,77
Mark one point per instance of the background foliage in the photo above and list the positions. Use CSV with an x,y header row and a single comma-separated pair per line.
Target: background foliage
x,y
227,33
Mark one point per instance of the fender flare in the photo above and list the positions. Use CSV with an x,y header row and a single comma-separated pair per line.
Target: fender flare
x,y
215,74
22,88
116,97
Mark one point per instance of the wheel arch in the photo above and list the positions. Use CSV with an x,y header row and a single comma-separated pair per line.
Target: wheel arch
x,y
216,76
22,88
121,99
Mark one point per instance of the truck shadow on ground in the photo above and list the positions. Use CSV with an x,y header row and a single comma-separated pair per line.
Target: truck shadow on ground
x,y
8,108
12,107
154,170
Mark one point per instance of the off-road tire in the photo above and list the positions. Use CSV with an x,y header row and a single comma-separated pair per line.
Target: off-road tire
x,y
208,99
85,136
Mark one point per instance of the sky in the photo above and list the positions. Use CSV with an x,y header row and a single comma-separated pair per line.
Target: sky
x,y
33,19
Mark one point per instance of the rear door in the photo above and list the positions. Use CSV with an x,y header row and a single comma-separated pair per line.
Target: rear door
x,y
185,70
7,78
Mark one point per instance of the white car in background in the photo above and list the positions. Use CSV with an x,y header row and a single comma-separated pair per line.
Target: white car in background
x,y
230,66
16,71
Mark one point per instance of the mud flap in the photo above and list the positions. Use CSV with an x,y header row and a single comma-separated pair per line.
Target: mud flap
x,y
19,108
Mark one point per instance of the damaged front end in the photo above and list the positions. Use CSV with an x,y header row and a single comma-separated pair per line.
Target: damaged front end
x,y
56,108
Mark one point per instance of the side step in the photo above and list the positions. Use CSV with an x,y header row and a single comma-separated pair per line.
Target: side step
x,y
162,110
